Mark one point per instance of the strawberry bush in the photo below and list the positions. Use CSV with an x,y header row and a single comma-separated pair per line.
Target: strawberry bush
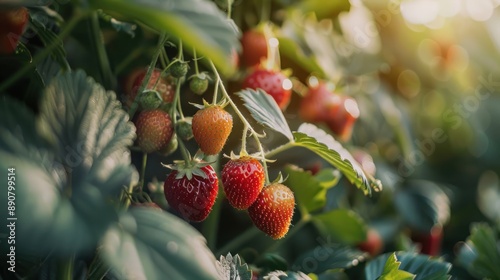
x,y
264,139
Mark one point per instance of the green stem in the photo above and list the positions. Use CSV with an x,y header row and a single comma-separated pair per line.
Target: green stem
x,y
143,170
178,100
229,8
237,242
107,77
280,149
195,58
211,224
243,150
244,120
145,82
65,268
128,59
216,88
45,52
185,154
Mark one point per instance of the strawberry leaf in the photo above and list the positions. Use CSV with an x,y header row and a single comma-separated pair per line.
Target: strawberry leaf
x,y
231,267
329,256
48,37
342,225
324,145
392,272
422,266
68,163
265,110
151,244
197,23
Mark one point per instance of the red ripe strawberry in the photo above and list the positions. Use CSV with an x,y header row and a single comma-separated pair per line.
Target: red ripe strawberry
x,y
211,128
273,83
12,25
164,85
192,195
313,107
254,46
243,179
341,117
273,210
154,130
373,244
430,242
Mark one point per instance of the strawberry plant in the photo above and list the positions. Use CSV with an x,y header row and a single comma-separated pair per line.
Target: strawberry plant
x,y
354,140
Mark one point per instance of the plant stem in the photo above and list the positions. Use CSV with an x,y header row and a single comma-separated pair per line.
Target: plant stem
x,y
45,52
65,268
280,149
128,59
143,170
195,58
107,77
145,82
243,119
184,152
211,224
237,242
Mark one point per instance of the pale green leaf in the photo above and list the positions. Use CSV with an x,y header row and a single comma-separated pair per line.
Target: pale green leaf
x,y
392,271
264,110
341,225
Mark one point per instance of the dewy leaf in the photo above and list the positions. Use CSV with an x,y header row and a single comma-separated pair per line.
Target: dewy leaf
x,y
422,204
230,267
483,241
151,244
198,23
342,225
318,141
392,271
329,256
265,110
422,266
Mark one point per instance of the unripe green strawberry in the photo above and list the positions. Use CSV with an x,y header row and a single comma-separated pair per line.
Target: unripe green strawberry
x,y
211,128
154,130
184,128
272,211
199,83
191,194
179,69
243,179
164,85
150,100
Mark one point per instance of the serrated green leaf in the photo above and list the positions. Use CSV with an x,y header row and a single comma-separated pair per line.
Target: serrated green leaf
x,y
422,266
90,133
196,22
484,243
324,145
309,190
422,204
271,262
329,256
231,267
286,275
392,271
341,225
151,244
265,110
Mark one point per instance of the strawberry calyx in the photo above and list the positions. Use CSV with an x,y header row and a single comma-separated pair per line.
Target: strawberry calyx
x,y
223,103
188,168
279,179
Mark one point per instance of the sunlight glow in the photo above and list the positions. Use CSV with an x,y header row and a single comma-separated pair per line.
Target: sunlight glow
x,y
420,11
287,84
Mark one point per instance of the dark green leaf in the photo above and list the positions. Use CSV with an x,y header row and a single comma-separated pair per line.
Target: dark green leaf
x,y
151,244
291,49
342,225
309,190
327,257
422,266
230,267
265,110
333,274
325,146
271,262
48,37
392,272
423,205
483,243
198,23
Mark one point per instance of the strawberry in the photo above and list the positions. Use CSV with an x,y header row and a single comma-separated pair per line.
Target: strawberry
x,y
179,69
243,180
199,83
373,244
254,46
154,130
313,107
341,117
165,86
273,210
211,128
192,191
13,22
184,128
273,83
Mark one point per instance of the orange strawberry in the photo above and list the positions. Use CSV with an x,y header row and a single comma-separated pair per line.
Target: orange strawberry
x,y
154,130
211,128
